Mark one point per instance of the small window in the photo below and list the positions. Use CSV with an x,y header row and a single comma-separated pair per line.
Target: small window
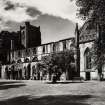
x,y
43,49
64,45
19,54
27,52
34,50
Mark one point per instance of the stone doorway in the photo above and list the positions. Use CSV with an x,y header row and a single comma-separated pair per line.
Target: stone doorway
x,y
88,77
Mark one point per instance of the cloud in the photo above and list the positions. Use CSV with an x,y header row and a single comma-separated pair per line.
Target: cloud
x,y
62,8
32,12
13,12
9,6
22,10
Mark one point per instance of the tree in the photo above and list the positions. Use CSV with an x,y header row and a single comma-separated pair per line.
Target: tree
x,y
57,63
98,55
95,10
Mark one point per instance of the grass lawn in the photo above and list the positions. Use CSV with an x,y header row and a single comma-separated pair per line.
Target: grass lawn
x,y
30,92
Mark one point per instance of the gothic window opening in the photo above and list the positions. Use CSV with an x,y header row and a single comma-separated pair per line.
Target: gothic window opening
x,y
54,47
43,49
64,45
34,50
27,52
46,48
87,59
19,53
57,46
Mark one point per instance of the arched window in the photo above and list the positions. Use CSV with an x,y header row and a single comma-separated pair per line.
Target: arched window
x,y
35,59
87,56
26,60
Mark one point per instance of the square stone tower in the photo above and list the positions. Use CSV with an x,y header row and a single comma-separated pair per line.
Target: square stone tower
x,y
30,35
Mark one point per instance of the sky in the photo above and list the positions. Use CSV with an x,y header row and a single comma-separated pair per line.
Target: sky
x,y
56,18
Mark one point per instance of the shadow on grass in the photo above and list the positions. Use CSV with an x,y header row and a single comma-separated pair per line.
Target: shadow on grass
x,y
10,84
48,100
66,82
3,87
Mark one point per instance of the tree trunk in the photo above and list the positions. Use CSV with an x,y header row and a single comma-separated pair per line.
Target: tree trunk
x,y
67,74
100,75
54,78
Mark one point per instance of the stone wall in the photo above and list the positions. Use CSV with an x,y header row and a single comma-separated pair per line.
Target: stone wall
x,y
83,70
42,50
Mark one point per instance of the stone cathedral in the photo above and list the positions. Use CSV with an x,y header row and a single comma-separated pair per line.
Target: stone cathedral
x,y
29,38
